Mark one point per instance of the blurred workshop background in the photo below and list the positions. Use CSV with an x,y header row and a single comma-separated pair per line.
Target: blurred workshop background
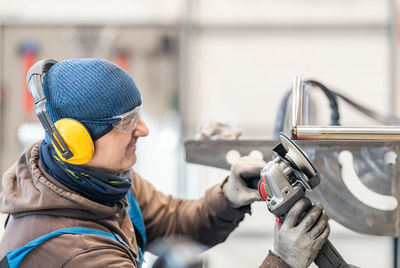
x,y
226,60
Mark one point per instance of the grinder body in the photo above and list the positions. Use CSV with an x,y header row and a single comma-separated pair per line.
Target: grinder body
x,y
277,187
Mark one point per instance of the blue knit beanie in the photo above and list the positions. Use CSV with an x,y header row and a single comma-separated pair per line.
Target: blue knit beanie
x,y
89,89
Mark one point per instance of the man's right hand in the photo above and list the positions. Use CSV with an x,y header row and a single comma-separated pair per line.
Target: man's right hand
x,y
298,243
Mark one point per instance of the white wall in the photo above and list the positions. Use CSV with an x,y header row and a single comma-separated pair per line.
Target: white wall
x,y
90,11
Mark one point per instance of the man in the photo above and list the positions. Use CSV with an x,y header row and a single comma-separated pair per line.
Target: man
x,y
98,212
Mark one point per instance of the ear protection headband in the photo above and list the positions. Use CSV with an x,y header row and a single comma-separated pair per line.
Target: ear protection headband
x,y
71,140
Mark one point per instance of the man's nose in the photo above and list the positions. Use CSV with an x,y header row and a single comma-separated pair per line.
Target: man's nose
x,y
141,129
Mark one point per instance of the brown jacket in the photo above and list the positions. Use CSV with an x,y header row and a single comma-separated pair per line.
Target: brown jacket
x,y
39,204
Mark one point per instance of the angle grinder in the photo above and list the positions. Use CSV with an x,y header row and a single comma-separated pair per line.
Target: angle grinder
x,y
284,181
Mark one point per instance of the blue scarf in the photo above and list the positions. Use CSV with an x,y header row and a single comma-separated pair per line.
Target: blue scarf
x,y
98,186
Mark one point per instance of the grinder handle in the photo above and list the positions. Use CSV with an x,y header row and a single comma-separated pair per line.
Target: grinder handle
x,y
329,257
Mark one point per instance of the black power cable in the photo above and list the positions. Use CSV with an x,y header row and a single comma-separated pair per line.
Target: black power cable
x,y
388,120
332,98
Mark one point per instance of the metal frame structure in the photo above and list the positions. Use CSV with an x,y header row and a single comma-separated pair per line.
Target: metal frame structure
x,y
301,131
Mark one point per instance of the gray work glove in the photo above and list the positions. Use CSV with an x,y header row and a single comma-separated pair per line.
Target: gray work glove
x,y
299,244
235,189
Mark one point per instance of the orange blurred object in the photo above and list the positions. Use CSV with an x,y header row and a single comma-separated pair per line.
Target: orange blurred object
x,y
29,58
122,60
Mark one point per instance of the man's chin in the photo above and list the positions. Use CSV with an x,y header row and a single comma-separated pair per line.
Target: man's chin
x,y
131,162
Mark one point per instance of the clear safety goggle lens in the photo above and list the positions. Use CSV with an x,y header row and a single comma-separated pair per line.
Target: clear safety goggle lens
x,y
128,121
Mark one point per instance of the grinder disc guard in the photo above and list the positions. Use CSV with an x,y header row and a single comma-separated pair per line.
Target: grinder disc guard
x,y
297,157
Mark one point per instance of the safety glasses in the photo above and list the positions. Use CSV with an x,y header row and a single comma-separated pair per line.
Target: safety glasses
x,y
128,121
125,122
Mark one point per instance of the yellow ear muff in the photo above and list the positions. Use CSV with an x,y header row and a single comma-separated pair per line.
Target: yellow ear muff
x,y
77,139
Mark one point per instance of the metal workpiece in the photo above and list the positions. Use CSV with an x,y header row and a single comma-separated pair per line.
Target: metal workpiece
x,y
378,172
388,133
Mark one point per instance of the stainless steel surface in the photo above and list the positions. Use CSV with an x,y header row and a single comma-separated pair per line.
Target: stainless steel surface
x,y
297,102
391,133
340,204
